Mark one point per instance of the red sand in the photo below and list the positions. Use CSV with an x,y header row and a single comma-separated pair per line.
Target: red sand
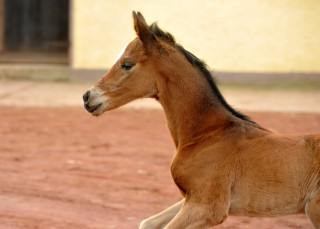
x,y
62,168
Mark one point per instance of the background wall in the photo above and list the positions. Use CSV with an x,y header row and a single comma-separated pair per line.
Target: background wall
x,y
232,36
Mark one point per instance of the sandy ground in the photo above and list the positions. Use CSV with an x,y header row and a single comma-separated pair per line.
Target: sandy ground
x,y
24,93
62,168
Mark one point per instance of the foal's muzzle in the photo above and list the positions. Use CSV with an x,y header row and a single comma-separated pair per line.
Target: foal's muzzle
x,y
86,97
87,100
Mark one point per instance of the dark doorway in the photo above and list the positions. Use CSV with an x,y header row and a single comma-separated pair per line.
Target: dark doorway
x,y
35,31
37,25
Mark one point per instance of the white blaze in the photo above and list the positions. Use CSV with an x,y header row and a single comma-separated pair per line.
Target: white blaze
x,y
121,53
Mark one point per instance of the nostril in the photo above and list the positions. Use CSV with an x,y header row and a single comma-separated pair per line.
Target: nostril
x,y
86,97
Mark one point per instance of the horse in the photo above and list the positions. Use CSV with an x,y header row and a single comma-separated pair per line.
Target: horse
x,y
225,163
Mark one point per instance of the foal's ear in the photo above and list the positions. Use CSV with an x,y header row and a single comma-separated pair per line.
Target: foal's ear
x,y
142,29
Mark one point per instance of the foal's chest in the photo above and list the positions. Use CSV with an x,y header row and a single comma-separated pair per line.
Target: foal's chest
x,y
194,171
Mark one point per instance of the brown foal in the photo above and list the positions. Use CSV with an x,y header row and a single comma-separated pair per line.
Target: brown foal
x,y
224,164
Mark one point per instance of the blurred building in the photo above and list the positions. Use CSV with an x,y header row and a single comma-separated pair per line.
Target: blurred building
x,y
34,31
241,40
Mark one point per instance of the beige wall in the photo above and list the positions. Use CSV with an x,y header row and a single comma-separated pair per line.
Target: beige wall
x,y
232,35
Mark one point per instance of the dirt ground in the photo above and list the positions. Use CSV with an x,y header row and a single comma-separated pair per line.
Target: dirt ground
x,y
62,168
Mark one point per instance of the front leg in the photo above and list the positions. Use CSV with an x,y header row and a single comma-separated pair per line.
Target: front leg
x,y
197,215
160,220
203,207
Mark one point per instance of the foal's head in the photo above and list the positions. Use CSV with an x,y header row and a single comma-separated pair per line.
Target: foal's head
x,y
147,64
131,77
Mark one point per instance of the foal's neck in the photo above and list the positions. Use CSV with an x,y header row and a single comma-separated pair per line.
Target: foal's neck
x,y
191,108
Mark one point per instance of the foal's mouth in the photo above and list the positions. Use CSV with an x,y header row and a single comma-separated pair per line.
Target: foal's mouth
x,y
93,101
91,109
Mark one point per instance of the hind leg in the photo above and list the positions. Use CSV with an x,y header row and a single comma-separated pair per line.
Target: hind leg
x,y
313,210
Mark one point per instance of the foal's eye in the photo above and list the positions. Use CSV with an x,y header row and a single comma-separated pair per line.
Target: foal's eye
x,y
127,66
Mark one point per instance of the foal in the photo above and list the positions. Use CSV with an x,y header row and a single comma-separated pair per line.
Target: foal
x,y
225,164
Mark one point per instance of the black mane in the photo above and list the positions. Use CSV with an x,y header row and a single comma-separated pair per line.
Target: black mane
x,y
201,65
